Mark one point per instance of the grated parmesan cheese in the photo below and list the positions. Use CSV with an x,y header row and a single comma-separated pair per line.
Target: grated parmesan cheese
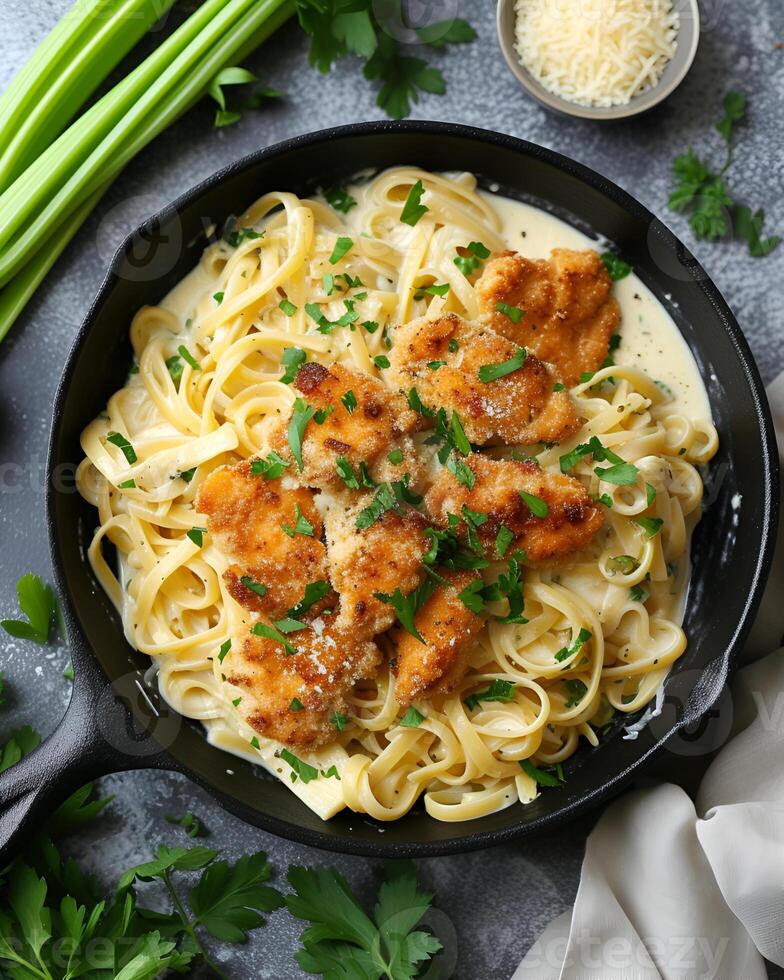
x,y
596,52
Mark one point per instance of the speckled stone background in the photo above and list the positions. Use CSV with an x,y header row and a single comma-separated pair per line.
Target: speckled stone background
x,y
497,901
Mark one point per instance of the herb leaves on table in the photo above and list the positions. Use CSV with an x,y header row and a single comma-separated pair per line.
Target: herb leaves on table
x,y
713,211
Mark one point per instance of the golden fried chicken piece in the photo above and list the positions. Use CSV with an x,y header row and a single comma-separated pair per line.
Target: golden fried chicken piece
x,y
519,407
571,521
448,628
569,312
292,697
383,557
246,515
362,435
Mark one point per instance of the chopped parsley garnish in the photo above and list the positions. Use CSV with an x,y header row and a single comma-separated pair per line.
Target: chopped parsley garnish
x,y
196,534
457,436
616,268
271,633
187,475
271,467
339,199
576,690
593,447
384,499
254,743
290,625
381,361
552,776
625,564
236,237
330,773
650,525
349,401
321,415
174,367
499,690
437,289
461,471
565,652
435,365
38,604
502,540
370,325
407,606
510,584
586,376
395,457
225,647
413,209
471,262
492,372
536,505
559,386
329,283
412,718
288,307
301,415
304,770
349,476
621,474
650,493
404,494
514,313
342,246
236,702
296,705
415,404
291,359
256,587
604,498
186,355
301,526
314,592
637,593
338,721
127,485
119,440
453,346
218,297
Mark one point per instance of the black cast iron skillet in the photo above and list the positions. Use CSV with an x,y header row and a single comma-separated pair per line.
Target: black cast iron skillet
x,y
123,724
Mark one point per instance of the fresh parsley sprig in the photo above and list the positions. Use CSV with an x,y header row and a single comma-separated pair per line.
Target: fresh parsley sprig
x,y
706,197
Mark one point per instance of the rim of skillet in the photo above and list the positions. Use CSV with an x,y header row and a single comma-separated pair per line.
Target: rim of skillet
x,y
699,278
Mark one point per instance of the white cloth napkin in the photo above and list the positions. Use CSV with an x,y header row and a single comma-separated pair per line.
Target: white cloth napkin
x,y
673,889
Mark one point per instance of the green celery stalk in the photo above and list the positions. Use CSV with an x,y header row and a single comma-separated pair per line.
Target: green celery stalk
x,y
195,66
17,293
27,194
59,78
225,47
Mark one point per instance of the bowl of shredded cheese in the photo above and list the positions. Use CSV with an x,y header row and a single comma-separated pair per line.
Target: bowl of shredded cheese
x,y
599,59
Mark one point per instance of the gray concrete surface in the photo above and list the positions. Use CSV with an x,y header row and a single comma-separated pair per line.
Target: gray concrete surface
x,y
499,900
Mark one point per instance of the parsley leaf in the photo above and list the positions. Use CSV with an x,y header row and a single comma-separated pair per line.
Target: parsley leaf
x,y
734,111
119,440
291,359
499,690
342,246
621,474
314,592
271,467
349,401
514,313
302,524
253,586
413,209
491,372
616,268
582,638
38,603
650,525
299,767
412,718
300,417
407,606
343,941
536,505
339,199
383,500
552,776
272,633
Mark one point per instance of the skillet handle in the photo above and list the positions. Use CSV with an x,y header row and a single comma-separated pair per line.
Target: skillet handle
x,y
96,736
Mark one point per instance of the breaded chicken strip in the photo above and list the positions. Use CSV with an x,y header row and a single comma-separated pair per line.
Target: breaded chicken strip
x,y
383,557
570,524
448,628
292,697
519,407
569,312
363,434
246,516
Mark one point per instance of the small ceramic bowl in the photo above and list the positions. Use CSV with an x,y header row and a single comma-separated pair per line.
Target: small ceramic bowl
x,y
688,40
